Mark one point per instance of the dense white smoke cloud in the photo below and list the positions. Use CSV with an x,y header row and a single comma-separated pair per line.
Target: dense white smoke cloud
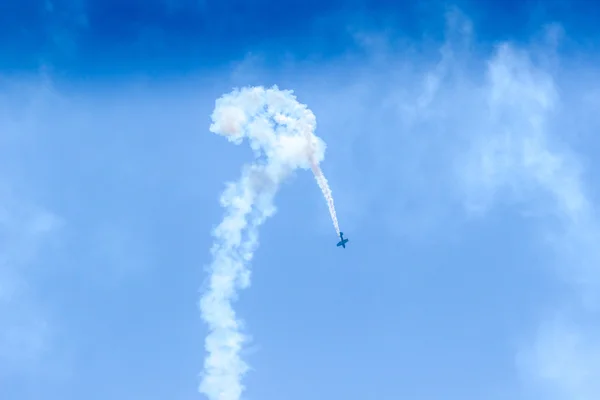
x,y
281,133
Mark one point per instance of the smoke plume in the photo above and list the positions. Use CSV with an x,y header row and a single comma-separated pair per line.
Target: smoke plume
x,y
280,131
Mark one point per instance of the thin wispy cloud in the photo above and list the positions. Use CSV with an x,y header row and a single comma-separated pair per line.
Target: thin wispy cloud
x,y
26,326
514,154
28,230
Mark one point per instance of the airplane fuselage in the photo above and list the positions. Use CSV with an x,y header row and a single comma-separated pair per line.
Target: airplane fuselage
x,y
343,241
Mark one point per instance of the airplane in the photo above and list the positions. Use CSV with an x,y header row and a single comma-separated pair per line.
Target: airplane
x,y
343,241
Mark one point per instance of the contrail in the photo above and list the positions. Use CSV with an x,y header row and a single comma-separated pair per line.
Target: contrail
x,y
281,133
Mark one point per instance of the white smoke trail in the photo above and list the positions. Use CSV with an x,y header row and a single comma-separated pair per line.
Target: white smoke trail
x,y
324,185
281,133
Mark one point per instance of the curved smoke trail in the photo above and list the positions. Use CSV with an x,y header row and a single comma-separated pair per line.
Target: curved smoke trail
x,y
281,133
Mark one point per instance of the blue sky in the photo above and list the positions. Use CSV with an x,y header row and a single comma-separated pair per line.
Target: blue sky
x,y
461,145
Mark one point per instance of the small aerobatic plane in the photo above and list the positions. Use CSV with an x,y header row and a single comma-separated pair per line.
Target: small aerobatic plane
x,y
343,241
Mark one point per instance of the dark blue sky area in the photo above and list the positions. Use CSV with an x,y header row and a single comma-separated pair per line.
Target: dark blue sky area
x,y
114,36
